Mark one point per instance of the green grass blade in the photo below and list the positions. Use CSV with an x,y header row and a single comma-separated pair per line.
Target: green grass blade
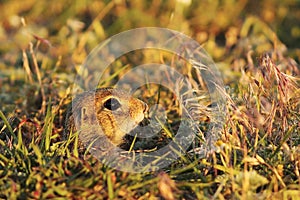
x,y
6,123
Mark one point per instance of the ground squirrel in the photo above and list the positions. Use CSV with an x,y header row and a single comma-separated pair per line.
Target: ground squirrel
x,y
103,117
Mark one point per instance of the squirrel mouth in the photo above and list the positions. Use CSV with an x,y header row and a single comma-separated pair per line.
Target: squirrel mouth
x,y
144,122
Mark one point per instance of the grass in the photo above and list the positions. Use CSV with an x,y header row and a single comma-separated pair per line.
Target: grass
x,y
259,149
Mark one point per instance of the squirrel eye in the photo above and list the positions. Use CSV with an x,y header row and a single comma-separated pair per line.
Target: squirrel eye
x,y
112,104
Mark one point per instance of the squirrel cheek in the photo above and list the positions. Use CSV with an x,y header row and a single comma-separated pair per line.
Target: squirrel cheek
x,y
139,118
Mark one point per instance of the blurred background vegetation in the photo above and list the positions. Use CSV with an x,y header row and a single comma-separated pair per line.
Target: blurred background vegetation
x,y
43,44
63,33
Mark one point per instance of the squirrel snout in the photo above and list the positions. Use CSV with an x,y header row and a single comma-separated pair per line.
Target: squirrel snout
x,y
146,110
